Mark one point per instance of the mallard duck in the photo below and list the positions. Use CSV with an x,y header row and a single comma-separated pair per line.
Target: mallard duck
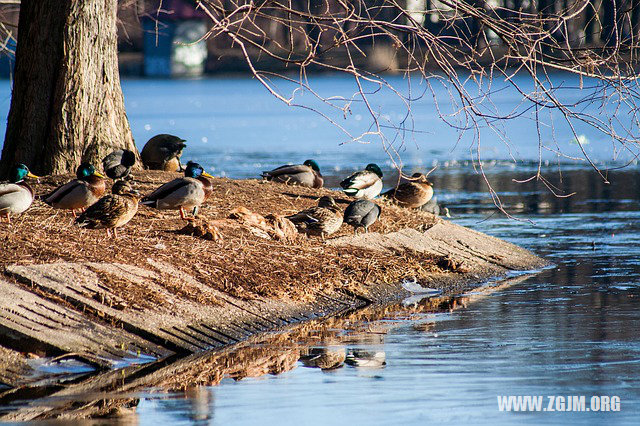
x,y
117,165
111,211
305,174
16,195
366,183
162,152
183,193
323,220
361,214
412,194
79,193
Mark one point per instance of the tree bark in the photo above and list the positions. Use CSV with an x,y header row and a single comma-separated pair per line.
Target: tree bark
x,y
67,104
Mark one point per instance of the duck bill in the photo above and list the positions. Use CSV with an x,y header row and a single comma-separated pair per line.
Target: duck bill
x,y
205,174
99,175
32,176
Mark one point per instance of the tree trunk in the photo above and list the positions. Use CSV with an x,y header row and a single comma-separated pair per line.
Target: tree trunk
x,y
67,104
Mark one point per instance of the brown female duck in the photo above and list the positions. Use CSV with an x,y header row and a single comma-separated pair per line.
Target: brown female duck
x,y
412,194
111,211
322,220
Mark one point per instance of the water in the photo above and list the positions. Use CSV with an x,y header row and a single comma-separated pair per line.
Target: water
x,y
235,128
571,329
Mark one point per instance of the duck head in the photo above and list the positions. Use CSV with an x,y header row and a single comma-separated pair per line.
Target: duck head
x,y
86,170
327,201
420,178
122,187
313,165
128,158
374,168
195,170
19,172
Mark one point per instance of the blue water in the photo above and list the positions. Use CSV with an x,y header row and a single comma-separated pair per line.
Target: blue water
x,y
571,329
236,128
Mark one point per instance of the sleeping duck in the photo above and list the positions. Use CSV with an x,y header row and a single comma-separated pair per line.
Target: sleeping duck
x,y
322,220
162,152
366,183
305,174
413,193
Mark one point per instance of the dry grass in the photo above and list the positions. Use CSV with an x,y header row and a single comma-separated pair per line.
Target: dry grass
x,y
239,263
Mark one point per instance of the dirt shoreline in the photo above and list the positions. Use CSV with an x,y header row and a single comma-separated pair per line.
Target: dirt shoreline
x,y
158,293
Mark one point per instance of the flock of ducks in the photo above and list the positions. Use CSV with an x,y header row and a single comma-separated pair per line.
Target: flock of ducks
x,y
365,185
85,196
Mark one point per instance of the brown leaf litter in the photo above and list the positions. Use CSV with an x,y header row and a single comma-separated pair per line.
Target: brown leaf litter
x,y
245,246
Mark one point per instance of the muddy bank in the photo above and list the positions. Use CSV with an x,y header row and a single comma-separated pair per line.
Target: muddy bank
x,y
155,292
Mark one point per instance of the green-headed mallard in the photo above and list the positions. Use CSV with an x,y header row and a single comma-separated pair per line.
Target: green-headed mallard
x,y
16,195
366,183
361,214
413,193
117,165
111,211
79,193
162,152
183,193
323,220
305,174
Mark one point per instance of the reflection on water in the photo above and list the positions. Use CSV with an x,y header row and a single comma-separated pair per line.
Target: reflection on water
x,y
356,339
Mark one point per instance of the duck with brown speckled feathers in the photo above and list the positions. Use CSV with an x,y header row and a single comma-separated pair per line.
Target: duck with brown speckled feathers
x,y
112,211
413,193
323,220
